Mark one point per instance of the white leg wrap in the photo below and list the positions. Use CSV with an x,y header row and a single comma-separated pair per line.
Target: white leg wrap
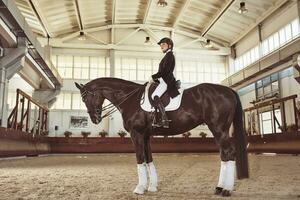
x,y
230,174
153,177
222,176
142,174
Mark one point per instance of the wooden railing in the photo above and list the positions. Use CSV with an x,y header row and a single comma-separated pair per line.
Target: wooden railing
x,y
272,105
21,116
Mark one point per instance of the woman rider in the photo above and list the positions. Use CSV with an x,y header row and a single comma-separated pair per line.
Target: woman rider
x,y
166,79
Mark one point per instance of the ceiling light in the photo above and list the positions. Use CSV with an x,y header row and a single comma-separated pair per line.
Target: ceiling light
x,y
81,36
147,41
162,3
243,9
208,44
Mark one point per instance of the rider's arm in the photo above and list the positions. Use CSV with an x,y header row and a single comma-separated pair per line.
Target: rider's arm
x,y
167,66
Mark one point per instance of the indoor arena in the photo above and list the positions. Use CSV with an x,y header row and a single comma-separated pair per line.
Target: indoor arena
x,y
149,99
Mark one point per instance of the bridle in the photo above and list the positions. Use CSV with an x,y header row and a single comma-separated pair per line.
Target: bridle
x,y
113,108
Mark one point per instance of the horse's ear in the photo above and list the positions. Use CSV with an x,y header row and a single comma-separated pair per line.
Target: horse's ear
x,y
78,86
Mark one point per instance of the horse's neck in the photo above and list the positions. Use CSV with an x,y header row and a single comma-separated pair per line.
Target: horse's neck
x,y
116,93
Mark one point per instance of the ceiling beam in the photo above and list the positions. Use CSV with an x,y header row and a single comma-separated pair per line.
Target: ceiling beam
x,y
95,39
128,36
147,11
149,28
113,21
216,17
152,34
271,10
57,43
78,15
113,9
42,20
181,12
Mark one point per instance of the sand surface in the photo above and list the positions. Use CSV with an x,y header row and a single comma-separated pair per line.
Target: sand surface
x,y
113,176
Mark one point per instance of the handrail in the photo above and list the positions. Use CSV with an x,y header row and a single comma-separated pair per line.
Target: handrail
x,y
271,103
22,121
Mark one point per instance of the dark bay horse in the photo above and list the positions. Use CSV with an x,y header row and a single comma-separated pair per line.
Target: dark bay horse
x,y
217,106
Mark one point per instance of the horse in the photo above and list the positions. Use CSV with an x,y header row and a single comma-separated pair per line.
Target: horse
x,y
217,106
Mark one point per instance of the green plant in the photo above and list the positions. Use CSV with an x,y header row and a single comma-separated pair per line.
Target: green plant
x,y
67,133
292,127
103,133
203,135
45,133
122,133
186,134
85,134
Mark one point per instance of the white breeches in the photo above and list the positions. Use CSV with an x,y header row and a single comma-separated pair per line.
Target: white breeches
x,y
161,88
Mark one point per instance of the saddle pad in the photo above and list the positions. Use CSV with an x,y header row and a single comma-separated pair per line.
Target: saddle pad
x,y
173,105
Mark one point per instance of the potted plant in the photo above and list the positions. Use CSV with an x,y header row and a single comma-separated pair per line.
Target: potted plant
x,y
45,133
85,134
202,134
122,133
186,134
291,127
103,133
67,134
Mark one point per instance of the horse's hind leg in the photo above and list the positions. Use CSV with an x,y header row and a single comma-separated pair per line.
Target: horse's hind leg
x,y
227,169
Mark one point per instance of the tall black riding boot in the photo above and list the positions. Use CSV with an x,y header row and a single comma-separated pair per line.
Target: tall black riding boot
x,y
164,119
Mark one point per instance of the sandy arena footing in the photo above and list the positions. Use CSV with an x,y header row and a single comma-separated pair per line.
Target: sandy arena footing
x,y
113,176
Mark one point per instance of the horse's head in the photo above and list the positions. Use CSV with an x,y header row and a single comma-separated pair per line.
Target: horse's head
x,y
93,102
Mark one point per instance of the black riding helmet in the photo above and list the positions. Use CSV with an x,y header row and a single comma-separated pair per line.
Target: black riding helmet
x,y
166,40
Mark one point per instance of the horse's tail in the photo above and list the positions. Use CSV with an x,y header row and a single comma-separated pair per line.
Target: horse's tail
x,y
240,141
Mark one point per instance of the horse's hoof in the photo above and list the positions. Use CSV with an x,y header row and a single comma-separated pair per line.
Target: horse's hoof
x,y
226,193
218,190
139,189
152,188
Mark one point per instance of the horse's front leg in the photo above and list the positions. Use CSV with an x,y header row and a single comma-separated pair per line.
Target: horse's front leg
x,y
150,166
139,145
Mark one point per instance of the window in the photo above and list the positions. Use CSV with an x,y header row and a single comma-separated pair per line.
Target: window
x,y
279,38
63,101
267,122
295,28
126,68
267,87
77,103
65,66
81,67
282,38
271,43
186,71
99,67
144,69
288,32
276,40
265,47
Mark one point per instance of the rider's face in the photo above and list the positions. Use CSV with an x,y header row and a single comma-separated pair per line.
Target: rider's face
x,y
164,47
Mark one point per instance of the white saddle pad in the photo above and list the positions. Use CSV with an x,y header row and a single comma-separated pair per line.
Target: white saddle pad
x,y
173,105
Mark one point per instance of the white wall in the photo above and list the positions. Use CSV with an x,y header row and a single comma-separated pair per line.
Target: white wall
x,y
289,86
62,120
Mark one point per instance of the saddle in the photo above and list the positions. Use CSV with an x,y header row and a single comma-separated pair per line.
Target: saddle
x,y
169,103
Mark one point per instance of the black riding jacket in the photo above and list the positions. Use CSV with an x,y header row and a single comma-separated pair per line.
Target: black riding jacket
x,y
165,71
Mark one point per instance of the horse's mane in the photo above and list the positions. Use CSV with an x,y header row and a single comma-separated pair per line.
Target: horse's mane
x,y
108,80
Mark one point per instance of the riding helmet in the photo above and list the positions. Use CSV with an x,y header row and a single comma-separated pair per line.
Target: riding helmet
x,y
166,40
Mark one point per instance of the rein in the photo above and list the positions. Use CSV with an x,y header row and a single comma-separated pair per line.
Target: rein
x,y
111,105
